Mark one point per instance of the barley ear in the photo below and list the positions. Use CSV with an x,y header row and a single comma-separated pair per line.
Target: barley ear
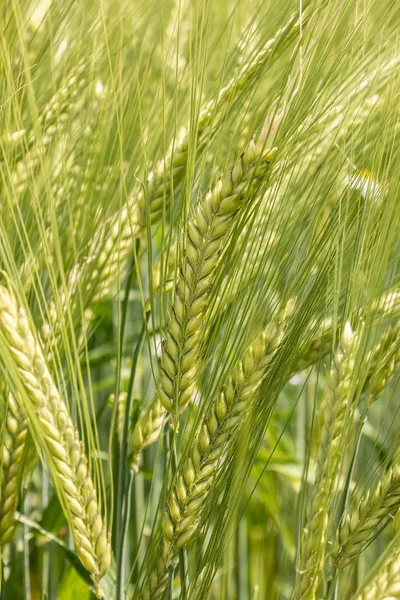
x,y
57,437
195,477
336,402
207,228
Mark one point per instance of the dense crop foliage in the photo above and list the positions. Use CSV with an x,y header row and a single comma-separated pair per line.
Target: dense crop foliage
x,y
199,299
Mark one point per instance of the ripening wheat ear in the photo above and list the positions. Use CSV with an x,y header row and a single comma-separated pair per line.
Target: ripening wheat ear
x,y
328,462
20,456
171,169
59,440
204,241
184,508
207,230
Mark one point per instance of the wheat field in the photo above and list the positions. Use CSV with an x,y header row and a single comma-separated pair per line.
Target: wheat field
x,y
199,300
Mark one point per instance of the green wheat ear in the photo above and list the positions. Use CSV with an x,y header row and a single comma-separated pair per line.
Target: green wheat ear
x,y
197,474
207,228
329,456
59,441
205,240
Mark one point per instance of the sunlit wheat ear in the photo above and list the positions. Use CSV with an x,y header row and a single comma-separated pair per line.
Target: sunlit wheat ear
x,y
58,439
204,244
374,509
385,584
207,228
19,457
195,476
328,462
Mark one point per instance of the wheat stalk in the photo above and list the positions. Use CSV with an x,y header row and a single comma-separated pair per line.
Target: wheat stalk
x,y
183,510
329,457
59,440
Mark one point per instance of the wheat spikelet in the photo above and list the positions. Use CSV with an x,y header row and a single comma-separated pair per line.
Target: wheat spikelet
x,y
328,458
206,230
195,476
19,458
147,429
375,507
60,441
385,585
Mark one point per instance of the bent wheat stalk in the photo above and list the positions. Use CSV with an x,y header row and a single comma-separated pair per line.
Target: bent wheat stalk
x,y
183,510
59,440
328,459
